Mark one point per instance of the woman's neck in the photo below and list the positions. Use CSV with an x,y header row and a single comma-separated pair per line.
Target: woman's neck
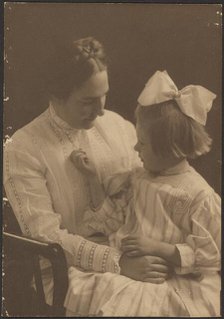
x,y
59,110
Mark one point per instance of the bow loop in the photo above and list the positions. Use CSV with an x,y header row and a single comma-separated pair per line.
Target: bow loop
x,y
193,100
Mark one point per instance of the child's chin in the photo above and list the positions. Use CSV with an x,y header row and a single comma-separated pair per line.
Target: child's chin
x,y
88,124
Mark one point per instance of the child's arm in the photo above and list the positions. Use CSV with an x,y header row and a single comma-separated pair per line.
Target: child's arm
x,y
140,246
201,248
84,164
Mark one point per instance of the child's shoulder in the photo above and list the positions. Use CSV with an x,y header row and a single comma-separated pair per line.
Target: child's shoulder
x,y
185,186
183,191
190,182
194,184
179,193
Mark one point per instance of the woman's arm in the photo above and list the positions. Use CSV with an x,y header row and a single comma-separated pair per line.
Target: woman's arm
x,y
26,189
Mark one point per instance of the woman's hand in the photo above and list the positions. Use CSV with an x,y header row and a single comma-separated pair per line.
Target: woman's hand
x,y
145,268
82,162
139,246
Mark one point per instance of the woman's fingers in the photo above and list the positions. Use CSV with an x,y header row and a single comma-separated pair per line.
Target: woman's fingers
x,y
160,268
154,274
133,253
129,242
129,238
156,260
128,247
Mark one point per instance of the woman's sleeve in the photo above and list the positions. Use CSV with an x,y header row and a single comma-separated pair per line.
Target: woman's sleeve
x,y
201,250
26,189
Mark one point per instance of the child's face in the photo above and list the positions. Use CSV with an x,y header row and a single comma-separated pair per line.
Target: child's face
x,y
151,161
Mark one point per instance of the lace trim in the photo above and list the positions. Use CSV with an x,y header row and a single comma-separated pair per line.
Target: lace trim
x,y
91,256
60,122
104,260
79,255
21,217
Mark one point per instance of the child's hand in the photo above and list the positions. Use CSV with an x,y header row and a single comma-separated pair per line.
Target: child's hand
x,y
82,162
138,246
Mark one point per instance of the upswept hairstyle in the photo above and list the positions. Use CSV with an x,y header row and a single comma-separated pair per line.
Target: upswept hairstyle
x,y
171,132
72,65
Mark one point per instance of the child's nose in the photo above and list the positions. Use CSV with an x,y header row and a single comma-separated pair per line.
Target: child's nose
x,y
136,147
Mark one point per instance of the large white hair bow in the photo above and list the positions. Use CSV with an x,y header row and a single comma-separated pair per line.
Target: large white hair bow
x,y
194,100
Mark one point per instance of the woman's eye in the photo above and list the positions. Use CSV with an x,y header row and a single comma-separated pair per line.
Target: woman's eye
x,y
86,103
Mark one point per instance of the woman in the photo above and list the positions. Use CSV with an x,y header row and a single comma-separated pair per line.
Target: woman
x,y
47,193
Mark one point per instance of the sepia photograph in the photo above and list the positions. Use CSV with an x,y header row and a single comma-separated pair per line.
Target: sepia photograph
x,y
112,120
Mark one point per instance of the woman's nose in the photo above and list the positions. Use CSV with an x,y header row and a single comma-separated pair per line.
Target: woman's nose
x,y
100,106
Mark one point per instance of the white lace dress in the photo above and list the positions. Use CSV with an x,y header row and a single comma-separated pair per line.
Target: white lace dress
x,y
49,195
176,207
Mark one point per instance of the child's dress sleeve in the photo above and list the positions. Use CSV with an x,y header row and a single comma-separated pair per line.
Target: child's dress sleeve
x,y
201,250
111,215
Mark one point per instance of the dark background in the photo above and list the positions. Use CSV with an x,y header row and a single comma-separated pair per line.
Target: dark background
x,y
139,39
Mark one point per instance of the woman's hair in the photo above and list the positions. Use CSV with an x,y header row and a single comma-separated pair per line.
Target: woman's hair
x,y
171,132
72,65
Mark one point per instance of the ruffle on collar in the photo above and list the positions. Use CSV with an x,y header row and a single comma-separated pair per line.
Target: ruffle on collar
x,y
180,168
61,123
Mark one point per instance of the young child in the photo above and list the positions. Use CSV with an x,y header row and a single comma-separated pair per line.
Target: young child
x,y
169,211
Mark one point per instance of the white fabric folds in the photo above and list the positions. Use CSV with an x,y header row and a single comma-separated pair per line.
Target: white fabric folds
x,y
194,101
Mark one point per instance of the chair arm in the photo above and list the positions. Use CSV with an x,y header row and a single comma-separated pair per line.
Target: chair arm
x,y
54,253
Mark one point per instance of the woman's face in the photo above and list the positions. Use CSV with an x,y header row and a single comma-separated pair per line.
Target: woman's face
x,y
84,104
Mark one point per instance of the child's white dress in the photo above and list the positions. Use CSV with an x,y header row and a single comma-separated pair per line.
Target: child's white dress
x,y
178,207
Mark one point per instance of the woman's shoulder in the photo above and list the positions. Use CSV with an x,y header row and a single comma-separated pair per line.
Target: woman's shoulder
x,y
26,136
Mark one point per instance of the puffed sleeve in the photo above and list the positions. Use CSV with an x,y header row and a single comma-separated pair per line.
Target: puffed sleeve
x,y
201,250
26,188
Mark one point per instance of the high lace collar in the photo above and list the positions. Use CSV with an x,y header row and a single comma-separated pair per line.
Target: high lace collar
x,y
180,168
59,121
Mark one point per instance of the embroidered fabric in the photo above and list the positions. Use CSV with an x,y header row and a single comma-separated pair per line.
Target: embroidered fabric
x,y
48,194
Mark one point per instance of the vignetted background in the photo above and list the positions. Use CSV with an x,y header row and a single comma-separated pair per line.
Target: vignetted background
x,y
139,39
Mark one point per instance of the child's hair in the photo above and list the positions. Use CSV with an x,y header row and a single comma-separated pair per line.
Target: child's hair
x,y
171,132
